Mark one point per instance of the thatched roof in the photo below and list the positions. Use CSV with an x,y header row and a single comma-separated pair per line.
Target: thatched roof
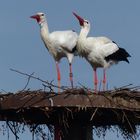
x,y
116,107
80,106
74,101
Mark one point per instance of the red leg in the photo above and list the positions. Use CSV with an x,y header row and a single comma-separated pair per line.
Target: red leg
x,y
58,76
71,74
104,80
95,80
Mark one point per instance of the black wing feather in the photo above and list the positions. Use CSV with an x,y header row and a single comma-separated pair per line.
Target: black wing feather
x,y
120,55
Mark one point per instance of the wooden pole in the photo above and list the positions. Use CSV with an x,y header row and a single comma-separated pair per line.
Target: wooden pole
x,y
78,131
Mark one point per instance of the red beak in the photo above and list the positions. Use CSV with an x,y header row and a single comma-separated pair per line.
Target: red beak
x,y
81,20
37,17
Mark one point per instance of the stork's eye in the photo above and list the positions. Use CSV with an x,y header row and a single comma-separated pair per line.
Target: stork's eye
x,y
42,14
87,22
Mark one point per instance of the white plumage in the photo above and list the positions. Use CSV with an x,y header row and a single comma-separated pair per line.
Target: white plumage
x,y
98,51
59,43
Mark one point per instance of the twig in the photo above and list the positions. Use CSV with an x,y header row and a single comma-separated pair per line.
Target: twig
x,y
37,78
129,125
84,87
123,87
13,131
28,81
25,103
33,129
48,86
4,91
7,131
93,114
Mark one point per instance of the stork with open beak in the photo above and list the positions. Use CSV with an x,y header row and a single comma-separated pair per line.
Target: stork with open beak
x,y
98,51
59,43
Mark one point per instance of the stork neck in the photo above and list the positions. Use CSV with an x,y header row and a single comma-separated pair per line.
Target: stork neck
x,y
83,33
82,47
44,29
42,24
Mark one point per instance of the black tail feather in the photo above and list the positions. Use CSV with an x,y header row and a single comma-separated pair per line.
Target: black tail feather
x,y
119,55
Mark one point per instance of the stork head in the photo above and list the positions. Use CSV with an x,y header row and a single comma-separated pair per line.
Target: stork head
x,y
83,22
40,17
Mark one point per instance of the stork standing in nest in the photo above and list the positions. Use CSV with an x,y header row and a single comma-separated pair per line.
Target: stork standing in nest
x,y
98,51
59,43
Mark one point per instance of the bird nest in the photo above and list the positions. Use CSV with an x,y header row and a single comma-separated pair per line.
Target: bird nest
x,y
119,107
39,109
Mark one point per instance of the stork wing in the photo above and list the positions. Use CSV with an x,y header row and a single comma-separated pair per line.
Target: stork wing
x,y
101,46
65,39
108,49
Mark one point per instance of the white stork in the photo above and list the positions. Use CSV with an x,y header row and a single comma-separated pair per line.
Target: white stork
x,y
59,43
98,51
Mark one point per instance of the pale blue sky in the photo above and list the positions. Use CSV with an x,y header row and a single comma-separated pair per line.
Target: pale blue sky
x,y
21,47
